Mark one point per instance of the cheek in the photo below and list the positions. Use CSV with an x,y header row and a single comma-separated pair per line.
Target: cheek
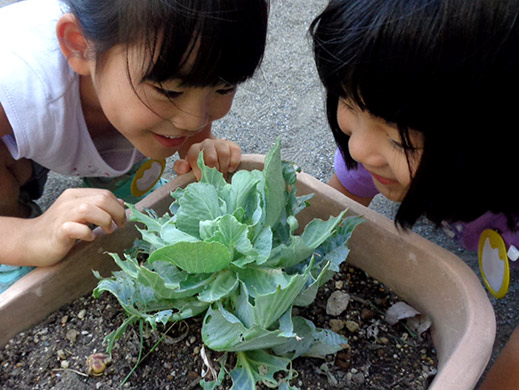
x,y
220,107
405,170
344,121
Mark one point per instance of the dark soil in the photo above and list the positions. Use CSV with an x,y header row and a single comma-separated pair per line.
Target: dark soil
x,y
53,354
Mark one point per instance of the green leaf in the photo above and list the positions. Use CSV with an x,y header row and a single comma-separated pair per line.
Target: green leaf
x,y
228,231
171,235
151,222
194,257
210,175
223,331
308,294
225,283
199,202
311,341
274,186
289,255
317,231
243,192
263,280
257,366
269,307
130,266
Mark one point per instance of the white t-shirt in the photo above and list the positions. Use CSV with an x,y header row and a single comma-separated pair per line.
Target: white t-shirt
x,y
39,93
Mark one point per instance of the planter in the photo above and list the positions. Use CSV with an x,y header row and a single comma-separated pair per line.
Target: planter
x,y
431,279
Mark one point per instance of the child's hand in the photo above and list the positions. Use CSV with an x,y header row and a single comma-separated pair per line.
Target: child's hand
x,y
221,154
68,220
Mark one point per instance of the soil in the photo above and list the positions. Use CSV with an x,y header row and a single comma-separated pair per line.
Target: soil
x,y
53,354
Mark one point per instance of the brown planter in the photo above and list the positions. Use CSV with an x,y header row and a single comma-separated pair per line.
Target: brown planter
x,y
431,279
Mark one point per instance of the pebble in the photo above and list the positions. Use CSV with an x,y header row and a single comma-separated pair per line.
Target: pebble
x,y
64,364
352,326
358,378
71,335
192,375
61,354
337,325
81,315
337,303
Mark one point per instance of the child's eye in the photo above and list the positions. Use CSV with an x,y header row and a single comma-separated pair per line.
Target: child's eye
x,y
226,91
167,93
396,144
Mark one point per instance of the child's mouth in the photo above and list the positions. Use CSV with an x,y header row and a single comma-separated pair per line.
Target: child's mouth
x,y
168,141
383,180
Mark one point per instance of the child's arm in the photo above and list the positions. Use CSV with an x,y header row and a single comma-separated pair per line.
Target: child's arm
x,y
221,154
45,240
504,375
336,183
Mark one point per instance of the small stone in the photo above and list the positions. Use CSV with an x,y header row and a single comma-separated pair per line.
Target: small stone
x,y
383,340
339,284
81,314
337,325
61,354
337,303
358,378
71,335
192,375
64,364
352,326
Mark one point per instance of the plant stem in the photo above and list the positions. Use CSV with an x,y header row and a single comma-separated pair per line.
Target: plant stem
x,y
141,333
139,359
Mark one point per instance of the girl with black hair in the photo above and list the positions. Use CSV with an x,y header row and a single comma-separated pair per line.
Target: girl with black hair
x,y
420,99
90,88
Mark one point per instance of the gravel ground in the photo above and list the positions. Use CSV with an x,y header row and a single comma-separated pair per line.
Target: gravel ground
x,y
285,100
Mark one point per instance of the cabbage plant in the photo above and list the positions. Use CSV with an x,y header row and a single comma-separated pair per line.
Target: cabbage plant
x,y
230,252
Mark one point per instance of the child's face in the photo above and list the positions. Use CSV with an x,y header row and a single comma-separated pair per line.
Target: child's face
x,y
377,146
156,119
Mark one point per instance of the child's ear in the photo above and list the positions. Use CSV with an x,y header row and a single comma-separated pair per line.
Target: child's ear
x,y
73,43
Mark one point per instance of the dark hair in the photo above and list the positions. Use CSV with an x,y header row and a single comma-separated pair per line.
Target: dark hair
x,y
230,33
448,69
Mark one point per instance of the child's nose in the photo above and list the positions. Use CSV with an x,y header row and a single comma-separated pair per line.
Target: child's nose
x,y
191,116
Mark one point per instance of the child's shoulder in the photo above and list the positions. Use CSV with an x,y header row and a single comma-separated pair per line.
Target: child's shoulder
x,y
31,51
22,16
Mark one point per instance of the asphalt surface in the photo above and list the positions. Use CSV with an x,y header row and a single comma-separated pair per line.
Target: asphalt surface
x,y
285,99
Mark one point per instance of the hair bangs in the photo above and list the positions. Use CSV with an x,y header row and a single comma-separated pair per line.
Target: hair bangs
x,y
381,57
212,42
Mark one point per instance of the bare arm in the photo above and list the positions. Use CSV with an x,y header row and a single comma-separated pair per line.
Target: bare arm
x,y
45,240
335,183
503,375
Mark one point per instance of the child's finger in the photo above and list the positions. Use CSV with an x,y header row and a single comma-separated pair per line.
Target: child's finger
x,y
102,216
212,156
181,167
235,157
71,231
